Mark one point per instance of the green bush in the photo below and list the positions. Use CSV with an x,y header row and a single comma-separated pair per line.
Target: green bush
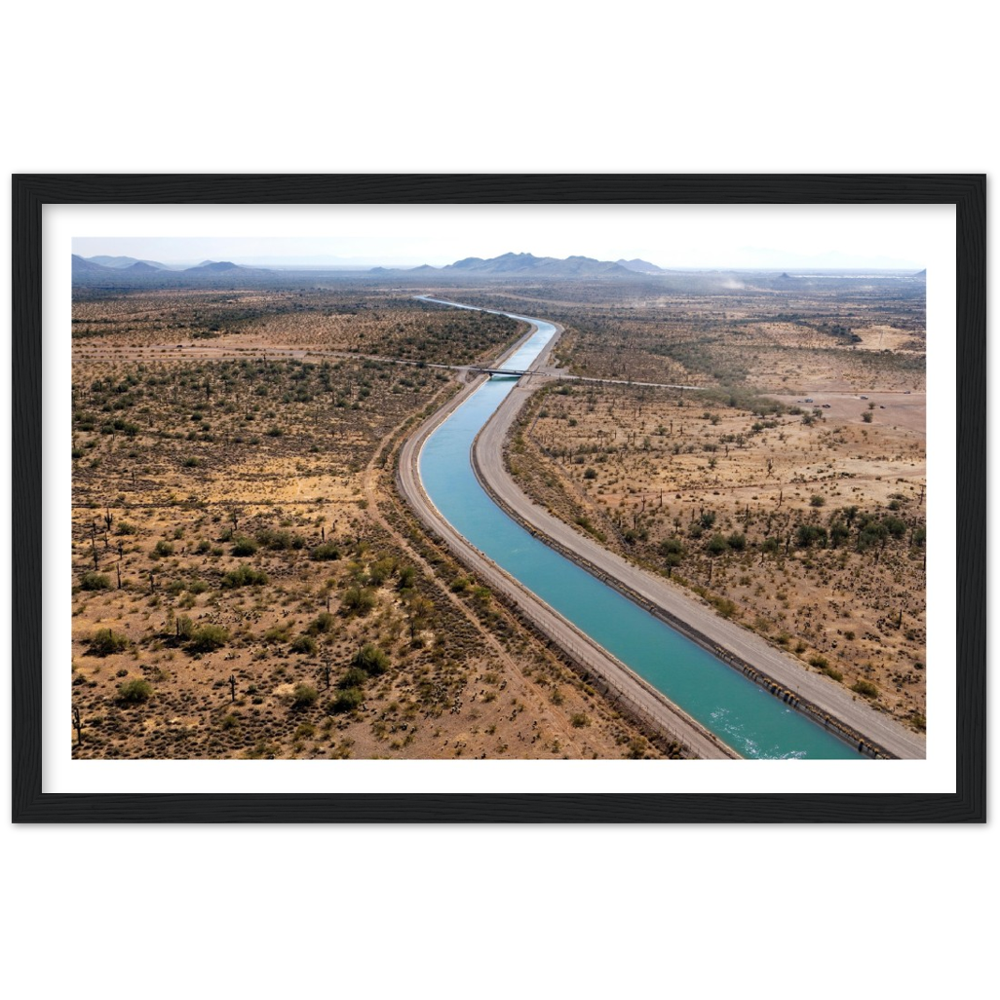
x,y
865,688
244,576
896,526
372,660
134,692
279,540
104,642
348,700
806,534
354,678
325,552
359,599
304,644
381,571
162,549
716,545
324,622
304,696
243,546
94,581
208,638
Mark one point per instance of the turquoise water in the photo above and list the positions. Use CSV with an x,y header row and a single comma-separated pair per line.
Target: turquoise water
x,y
751,721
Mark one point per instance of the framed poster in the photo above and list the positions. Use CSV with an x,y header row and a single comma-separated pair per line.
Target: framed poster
x,y
408,795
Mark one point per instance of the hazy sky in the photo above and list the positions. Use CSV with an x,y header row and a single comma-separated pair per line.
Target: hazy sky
x,y
670,236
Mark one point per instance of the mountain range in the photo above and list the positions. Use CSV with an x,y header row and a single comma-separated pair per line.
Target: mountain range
x,y
528,265
128,272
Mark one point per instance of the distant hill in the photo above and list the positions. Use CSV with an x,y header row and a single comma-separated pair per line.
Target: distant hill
x,y
123,262
921,274
216,267
640,265
525,265
83,266
151,274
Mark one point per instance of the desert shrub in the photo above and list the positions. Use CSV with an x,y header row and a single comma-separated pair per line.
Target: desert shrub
x,y
105,642
279,540
162,549
354,678
818,661
325,552
94,581
579,720
716,545
381,571
348,700
816,500
896,526
865,688
134,692
304,696
359,599
207,638
243,546
324,622
737,540
725,607
372,660
806,534
304,644
833,673
244,576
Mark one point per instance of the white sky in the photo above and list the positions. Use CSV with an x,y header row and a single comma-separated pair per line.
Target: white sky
x,y
776,236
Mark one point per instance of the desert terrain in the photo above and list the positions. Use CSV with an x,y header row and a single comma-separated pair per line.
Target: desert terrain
x,y
247,583
787,492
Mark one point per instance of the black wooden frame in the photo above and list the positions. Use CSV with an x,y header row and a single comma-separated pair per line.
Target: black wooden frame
x,y
32,192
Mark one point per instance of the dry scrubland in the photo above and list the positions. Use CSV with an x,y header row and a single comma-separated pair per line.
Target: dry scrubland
x,y
778,495
246,584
